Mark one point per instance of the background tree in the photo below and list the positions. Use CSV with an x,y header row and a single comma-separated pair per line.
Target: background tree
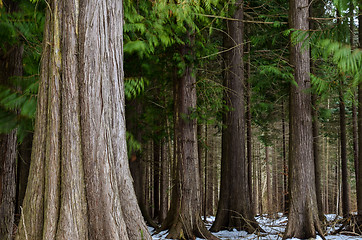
x,y
11,59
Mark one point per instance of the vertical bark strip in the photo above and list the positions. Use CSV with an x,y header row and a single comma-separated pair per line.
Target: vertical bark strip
x,y
303,216
81,186
31,223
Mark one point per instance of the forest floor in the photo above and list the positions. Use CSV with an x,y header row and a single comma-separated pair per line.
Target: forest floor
x,y
274,226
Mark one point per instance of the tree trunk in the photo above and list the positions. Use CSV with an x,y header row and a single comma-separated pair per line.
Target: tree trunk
x,y
344,167
210,170
184,217
234,209
164,181
248,126
275,193
269,200
260,188
317,158
201,153
156,178
11,64
359,189
303,216
285,165
81,186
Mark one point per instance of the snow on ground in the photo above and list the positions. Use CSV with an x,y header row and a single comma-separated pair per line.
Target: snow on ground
x,y
274,227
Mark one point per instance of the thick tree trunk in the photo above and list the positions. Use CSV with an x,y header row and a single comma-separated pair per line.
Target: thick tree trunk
x,y
81,186
10,65
344,167
234,209
184,218
303,216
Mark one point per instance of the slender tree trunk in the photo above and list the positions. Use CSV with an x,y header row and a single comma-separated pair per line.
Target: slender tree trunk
x,y
314,8
275,193
234,205
344,167
359,188
164,182
260,178
268,181
184,217
354,101
81,186
317,158
156,178
210,172
10,65
327,175
285,165
303,216
201,155
248,125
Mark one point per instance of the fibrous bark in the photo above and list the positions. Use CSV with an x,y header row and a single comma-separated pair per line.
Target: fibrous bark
x,y
81,186
234,208
303,215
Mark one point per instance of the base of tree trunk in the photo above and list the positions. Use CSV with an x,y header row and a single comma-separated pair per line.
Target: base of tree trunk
x,y
296,232
237,221
179,230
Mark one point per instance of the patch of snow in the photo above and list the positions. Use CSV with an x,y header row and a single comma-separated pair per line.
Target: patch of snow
x,y
274,226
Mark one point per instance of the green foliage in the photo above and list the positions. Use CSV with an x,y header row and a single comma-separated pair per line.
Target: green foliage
x,y
132,144
134,86
343,57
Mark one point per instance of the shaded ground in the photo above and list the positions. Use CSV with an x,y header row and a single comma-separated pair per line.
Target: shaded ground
x,y
274,227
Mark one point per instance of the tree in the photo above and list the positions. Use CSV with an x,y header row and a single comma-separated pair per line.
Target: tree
x,y
234,208
184,217
359,189
11,59
303,212
81,186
